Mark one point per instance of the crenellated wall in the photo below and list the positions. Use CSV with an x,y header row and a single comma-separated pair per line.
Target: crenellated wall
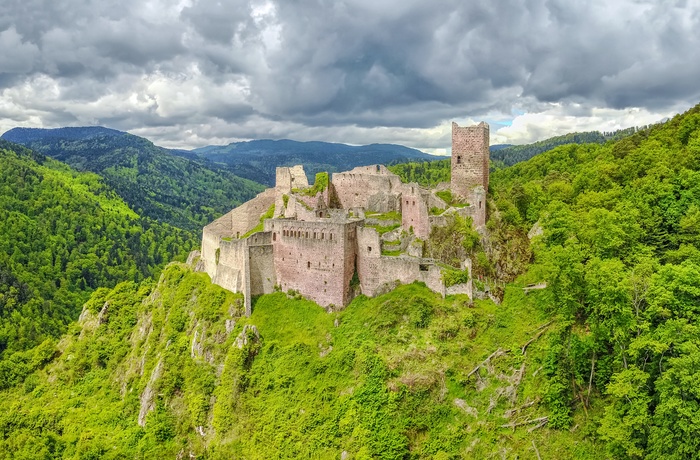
x,y
470,158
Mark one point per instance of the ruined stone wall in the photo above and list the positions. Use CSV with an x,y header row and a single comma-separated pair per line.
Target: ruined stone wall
x,y
210,244
241,265
374,188
288,178
230,271
414,211
376,271
261,264
477,199
242,219
315,258
470,158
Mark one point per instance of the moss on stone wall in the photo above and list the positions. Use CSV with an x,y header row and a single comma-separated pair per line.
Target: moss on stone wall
x,y
259,228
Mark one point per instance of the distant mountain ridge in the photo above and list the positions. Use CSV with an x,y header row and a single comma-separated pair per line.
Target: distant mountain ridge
x,y
512,154
25,135
258,159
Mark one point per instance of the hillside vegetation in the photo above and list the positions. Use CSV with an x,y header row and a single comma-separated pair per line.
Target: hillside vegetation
x,y
62,235
155,182
601,363
620,252
389,377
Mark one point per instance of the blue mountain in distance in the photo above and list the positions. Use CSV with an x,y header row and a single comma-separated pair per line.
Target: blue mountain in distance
x,y
27,135
255,160
259,158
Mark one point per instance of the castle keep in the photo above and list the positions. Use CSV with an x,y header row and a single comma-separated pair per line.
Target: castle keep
x,y
360,231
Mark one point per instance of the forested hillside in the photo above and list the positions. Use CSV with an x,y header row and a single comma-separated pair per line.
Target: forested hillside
x,y
62,235
153,181
621,255
601,363
517,153
389,377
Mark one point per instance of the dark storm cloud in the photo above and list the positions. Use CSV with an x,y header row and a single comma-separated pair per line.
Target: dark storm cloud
x,y
307,66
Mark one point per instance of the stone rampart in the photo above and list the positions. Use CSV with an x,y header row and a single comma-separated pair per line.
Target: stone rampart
x,y
241,265
375,271
315,258
373,188
414,210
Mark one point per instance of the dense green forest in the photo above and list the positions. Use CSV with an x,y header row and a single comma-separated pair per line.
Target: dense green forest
x,y
517,153
621,254
602,363
62,235
153,181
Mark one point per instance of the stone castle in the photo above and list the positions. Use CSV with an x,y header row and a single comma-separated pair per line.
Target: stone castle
x,y
362,231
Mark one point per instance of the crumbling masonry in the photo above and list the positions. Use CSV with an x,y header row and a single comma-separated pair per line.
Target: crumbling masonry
x,y
347,238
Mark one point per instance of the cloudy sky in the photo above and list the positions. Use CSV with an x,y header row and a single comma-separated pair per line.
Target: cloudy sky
x,y
187,73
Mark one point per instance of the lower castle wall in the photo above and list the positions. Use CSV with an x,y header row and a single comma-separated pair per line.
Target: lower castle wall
x,y
210,243
245,266
314,258
375,270
262,269
231,271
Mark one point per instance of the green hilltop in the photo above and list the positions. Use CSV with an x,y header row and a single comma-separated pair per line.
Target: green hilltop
x,y
583,341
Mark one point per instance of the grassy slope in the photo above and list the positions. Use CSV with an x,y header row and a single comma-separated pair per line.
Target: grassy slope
x,y
382,384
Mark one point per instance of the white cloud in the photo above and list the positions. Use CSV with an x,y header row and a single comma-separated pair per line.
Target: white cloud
x,y
187,73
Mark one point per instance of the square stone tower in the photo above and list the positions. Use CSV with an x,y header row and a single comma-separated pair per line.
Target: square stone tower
x,y
470,159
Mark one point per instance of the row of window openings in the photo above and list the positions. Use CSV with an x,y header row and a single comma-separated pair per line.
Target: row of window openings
x,y
308,264
300,234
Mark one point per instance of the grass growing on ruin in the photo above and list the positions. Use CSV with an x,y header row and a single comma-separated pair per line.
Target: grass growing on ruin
x,y
446,196
391,215
320,184
386,222
261,225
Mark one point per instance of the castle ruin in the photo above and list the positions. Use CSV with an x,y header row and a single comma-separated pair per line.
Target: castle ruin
x,y
361,231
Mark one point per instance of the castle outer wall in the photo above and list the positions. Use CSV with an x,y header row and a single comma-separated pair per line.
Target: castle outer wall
x,y
315,244
315,258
